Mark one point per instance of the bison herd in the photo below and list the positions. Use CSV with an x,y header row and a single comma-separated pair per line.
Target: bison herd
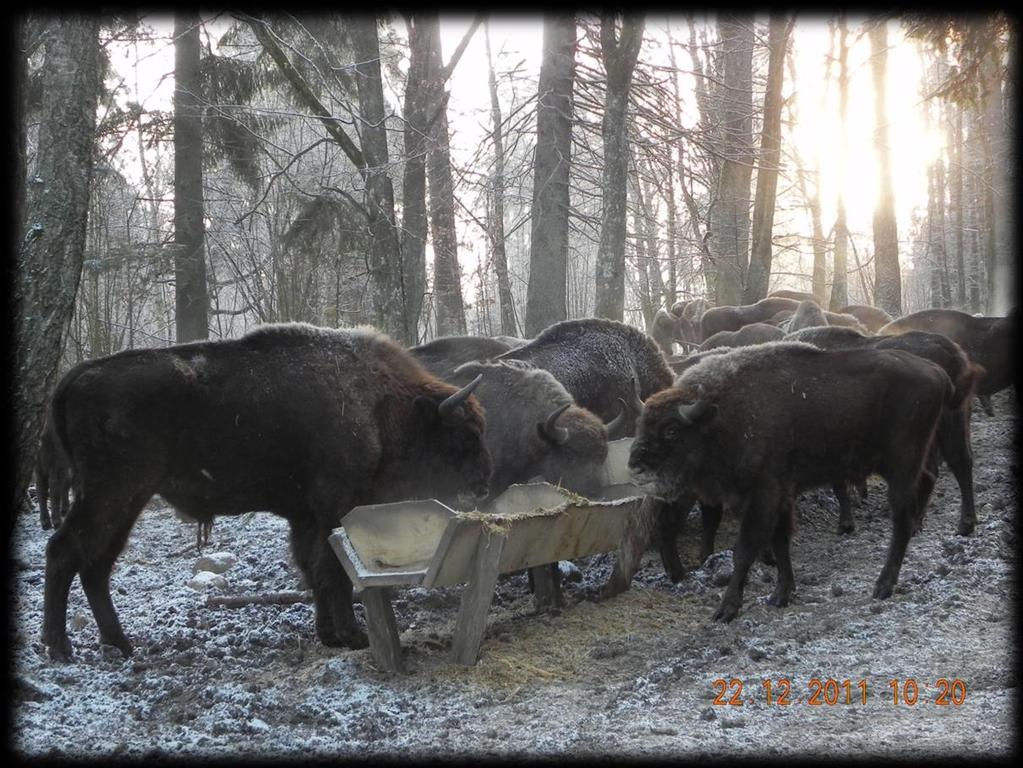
x,y
766,401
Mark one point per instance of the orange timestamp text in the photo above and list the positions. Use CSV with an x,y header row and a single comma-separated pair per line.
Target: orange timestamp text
x,y
732,692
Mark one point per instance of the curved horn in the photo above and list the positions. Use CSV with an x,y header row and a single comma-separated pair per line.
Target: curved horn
x,y
616,427
450,405
693,413
637,401
551,431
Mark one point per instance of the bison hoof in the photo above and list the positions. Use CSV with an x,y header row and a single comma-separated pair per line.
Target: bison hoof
x,y
354,639
779,600
613,588
60,650
966,527
120,643
883,591
844,528
726,612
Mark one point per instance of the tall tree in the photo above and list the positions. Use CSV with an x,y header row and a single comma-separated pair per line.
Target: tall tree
x,y
191,299
730,218
546,297
770,159
447,276
619,56
495,230
840,272
53,229
888,280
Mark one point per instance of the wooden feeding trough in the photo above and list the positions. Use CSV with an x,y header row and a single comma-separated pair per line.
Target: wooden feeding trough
x,y
425,543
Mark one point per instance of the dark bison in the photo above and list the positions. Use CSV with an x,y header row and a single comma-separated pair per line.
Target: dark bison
x,y
669,328
754,333
441,356
807,315
53,479
534,428
988,341
795,295
751,429
601,363
952,442
718,319
692,311
305,422
872,318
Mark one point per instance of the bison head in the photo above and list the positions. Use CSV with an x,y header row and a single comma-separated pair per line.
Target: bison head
x,y
575,443
449,434
668,444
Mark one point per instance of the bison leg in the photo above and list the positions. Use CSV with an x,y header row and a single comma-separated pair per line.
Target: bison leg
x,y
782,594
95,576
711,518
953,441
42,497
671,520
758,524
985,403
332,589
846,523
904,504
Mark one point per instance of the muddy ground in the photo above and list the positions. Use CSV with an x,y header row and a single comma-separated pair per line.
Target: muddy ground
x,y
634,675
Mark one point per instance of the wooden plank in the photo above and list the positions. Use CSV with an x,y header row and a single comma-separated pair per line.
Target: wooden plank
x,y
472,613
364,576
382,629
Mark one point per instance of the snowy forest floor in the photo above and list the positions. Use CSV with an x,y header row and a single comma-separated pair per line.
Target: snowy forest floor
x,y
634,675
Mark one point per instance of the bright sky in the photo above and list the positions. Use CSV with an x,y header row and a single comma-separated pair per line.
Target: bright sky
x,y
913,145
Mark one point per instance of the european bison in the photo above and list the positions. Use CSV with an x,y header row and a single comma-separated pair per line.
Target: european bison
x,y
668,329
872,318
600,363
441,356
807,315
754,333
305,422
733,318
988,341
784,293
53,479
752,428
952,441
692,311
535,428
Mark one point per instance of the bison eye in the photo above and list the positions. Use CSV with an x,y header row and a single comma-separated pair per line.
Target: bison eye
x,y
671,432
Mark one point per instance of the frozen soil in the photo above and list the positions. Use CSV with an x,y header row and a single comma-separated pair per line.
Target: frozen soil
x,y
633,675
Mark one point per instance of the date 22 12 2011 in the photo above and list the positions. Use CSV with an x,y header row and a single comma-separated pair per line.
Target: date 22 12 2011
x,y
829,692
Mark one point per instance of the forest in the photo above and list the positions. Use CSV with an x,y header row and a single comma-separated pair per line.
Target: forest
x,y
191,176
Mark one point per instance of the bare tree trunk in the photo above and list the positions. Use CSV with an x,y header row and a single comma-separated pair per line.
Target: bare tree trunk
x,y
509,326
839,272
389,305
52,231
619,62
888,282
447,277
770,159
548,249
730,218
956,200
191,298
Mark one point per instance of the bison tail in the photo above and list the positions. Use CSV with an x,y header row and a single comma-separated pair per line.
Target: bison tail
x,y
58,420
967,385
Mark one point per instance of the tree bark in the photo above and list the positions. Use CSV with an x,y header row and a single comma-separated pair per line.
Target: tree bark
x,y
840,272
770,159
509,325
53,229
546,299
191,298
619,57
730,218
888,282
447,277
956,201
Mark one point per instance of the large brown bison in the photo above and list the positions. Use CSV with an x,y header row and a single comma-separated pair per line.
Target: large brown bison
x,y
752,428
441,356
807,315
669,328
601,363
718,319
305,422
952,441
754,333
872,318
988,341
784,293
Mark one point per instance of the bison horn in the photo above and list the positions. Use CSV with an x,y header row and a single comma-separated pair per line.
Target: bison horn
x,y
693,413
616,427
450,406
549,430
637,401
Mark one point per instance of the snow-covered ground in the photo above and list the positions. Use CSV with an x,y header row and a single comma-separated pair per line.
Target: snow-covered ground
x,y
634,675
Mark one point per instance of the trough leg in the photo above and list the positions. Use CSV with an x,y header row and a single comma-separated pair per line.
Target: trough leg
x,y
383,629
472,614
546,588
